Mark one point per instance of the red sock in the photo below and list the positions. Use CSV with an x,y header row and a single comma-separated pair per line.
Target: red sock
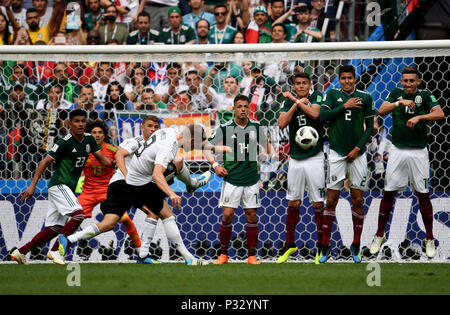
x,y
252,238
327,225
318,217
358,222
71,226
386,206
131,230
426,210
293,217
41,238
224,236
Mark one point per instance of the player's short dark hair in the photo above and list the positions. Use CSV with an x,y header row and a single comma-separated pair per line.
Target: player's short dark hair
x,y
302,75
98,123
77,112
411,70
347,68
144,14
273,1
241,97
220,6
151,118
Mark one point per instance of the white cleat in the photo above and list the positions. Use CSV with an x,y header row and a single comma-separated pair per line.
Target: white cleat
x,y
17,256
200,181
56,257
196,262
376,244
430,248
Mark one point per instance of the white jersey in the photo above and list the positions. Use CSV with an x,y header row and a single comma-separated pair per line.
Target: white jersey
x,y
161,148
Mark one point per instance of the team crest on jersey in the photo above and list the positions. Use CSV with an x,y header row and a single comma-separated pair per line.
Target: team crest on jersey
x,y
88,148
418,100
252,135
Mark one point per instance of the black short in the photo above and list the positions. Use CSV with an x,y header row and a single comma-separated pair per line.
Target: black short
x,y
121,197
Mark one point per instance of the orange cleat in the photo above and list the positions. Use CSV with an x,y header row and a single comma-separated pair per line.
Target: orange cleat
x,y
253,261
223,259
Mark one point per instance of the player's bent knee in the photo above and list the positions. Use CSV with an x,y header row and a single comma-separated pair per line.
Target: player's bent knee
x,y
317,205
294,203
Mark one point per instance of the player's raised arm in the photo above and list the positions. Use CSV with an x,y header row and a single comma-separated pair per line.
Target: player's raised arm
x,y
39,171
160,181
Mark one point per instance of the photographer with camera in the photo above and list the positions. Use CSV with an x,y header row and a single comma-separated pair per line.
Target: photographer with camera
x,y
111,29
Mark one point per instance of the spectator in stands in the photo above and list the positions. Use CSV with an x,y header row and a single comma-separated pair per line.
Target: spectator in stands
x,y
138,82
262,92
202,96
165,91
19,12
54,99
238,13
221,33
304,33
93,37
44,11
116,98
144,35
71,90
6,37
44,33
148,101
276,9
88,102
197,13
111,29
22,37
221,70
103,74
157,72
119,68
378,151
224,101
260,29
92,19
18,77
158,10
202,30
318,14
279,70
239,37
176,33
182,102
127,10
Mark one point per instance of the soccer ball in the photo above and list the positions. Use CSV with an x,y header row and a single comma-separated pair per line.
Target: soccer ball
x,y
306,137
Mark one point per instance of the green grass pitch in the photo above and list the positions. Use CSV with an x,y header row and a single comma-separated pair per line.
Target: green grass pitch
x,y
231,279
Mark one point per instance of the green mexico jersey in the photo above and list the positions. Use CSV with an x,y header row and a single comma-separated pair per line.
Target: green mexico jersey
x,y
70,157
403,136
224,36
185,34
242,163
136,38
346,129
299,120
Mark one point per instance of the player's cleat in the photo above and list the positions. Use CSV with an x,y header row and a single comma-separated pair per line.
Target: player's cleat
x,y
196,262
430,248
377,242
56,257
325,254
63,244
19,257
316,259
223,259
149,261
253,261
356,253
288,251
200,181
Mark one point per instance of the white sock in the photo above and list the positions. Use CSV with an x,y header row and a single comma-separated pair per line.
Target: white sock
x,y
147,236
174,236
86,234
185,177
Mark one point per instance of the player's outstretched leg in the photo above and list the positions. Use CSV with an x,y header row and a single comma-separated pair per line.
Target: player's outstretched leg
x,y
131,230
192,184
289,248
85,234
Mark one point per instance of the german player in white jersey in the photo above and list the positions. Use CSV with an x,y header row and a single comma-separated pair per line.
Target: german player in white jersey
x,y
408,162
145,186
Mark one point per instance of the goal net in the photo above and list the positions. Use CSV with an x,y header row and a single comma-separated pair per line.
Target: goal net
x,y
41,84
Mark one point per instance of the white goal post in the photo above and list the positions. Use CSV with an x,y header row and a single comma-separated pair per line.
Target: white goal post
x,y
378,66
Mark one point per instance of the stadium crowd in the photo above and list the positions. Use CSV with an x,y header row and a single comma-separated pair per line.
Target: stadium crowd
x,y
28,89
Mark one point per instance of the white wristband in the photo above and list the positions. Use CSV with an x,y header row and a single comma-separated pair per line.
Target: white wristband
x,y
397,104
298,101
215,164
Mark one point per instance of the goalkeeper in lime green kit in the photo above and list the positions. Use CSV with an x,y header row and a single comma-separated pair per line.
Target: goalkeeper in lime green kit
x,y
350,114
